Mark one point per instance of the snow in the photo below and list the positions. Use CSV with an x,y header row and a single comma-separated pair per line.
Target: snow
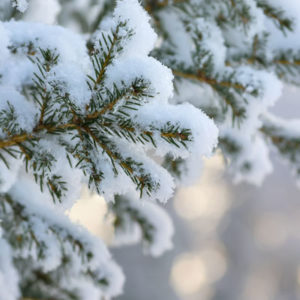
x,y
159,110
46,219
25,112
72,81
161,223
138,20
278,40
8,177
205,133
255,155
21,5
128,68
4,43
42,216
213,41
9,278
43,11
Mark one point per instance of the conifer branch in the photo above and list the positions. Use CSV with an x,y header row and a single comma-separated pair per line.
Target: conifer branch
x,y
285,138
17,216
213,82
286,62
240,12
152,5
277,15
109,55
222,88
123,210
17,139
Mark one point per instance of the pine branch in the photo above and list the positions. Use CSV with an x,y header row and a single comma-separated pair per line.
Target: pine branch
x,y
106,115
154,5
285,63
18,218
277,15
174,166
108,55
148,217
222,88
123,210
284,139
213,82
17,139
238,12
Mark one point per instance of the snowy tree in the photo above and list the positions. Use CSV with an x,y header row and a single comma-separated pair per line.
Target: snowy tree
x,y
84,110
230,58
91,102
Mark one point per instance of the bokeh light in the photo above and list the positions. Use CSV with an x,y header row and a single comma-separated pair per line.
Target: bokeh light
x,y
188,274
209,198
91,212
270,230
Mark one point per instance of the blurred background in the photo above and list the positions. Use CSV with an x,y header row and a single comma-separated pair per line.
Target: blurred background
x,y
231,242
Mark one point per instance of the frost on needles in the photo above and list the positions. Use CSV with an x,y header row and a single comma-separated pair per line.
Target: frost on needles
x,y
229,58
95,112
98,108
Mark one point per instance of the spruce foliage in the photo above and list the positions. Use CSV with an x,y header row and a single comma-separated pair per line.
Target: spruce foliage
x,y
97,108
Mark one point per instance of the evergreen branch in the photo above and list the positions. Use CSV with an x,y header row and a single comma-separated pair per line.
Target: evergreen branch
x,y
174,165
9,120
229,146
233,3
17,139
255,46
123,210
17,216
136,133
141,180
277,15
222,89
213,82
237,11
108,107
108,56
257,60
170,133
153,5
286,62
256,56
95,175
287,146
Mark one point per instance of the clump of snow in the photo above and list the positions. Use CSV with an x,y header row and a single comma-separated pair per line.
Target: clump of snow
x,y
42,216
161,228
162,238
253,164
9,278
44,11
132,66
213,41
131,12
25,111
9,176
